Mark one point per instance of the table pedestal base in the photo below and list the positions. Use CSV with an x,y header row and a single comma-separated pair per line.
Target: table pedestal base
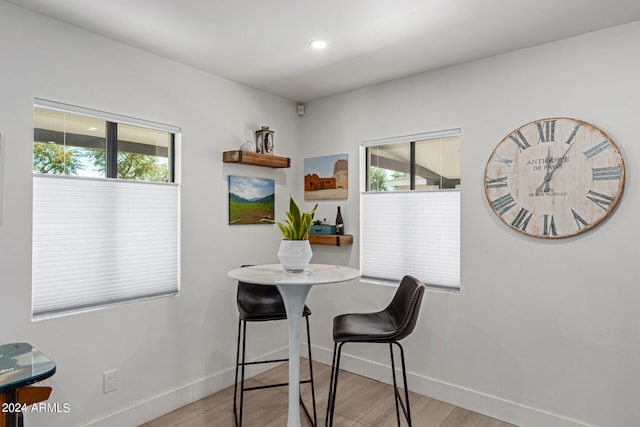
x,y
294,298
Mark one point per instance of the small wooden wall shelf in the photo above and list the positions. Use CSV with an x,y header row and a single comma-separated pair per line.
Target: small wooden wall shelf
x,y
331,239
255,159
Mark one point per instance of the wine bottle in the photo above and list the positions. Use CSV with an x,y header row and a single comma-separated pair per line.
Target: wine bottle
x,y
339,223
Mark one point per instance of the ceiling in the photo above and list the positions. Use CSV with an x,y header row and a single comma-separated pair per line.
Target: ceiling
x,y
264,43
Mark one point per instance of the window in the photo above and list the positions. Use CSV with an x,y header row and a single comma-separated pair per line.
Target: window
x,y
411,209
105,210
75,143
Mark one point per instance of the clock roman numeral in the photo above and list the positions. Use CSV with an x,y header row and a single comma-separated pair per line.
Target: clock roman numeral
x,y
499,159
598,148
547,130
612,172
600,199
520,140
573,134
522,219
579,220
497,182
549,226
503,204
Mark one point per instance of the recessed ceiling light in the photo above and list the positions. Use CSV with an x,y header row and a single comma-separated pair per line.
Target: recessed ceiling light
x,y
92,129
318,44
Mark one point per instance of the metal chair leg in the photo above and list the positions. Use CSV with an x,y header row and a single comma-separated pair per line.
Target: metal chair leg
x,y
241,362
406,411
313,387
235,386
406,388
242,328
330,395
333,386
395,384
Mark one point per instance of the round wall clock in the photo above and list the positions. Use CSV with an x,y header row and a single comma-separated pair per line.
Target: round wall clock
x,y
554,177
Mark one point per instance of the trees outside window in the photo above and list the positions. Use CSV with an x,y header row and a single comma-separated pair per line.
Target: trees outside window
x,y
72,144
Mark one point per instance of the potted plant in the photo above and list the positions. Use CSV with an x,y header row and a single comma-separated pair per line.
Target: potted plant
x,y
295,251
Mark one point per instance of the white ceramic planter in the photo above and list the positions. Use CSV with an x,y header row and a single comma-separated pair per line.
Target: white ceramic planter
x,y
294,255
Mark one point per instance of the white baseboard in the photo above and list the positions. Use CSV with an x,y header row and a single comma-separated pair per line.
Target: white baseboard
x,y
473,400
143,412
492,406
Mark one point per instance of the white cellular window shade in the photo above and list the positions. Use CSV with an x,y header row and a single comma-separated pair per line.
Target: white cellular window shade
x,y
412,232
102,241
410,209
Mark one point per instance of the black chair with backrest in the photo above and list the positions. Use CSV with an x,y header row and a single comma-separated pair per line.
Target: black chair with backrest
x,y
388,326
263,303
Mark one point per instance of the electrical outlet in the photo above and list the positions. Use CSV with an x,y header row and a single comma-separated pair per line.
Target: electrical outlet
x,y
110,381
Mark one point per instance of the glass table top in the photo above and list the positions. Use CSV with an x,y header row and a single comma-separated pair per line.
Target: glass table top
x,y
22,364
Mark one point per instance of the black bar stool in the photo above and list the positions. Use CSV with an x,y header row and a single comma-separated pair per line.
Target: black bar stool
x,y
263,303
388,326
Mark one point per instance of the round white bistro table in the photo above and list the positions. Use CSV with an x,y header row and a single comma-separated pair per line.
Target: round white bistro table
x,y
294,288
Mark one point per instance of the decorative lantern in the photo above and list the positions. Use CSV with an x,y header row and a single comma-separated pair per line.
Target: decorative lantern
x,y
264,140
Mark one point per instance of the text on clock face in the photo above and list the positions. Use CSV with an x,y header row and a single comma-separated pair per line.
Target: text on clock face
x,y
543,164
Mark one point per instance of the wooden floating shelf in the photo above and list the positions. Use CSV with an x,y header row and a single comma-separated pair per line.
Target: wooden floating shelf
x,y
331,239
255,159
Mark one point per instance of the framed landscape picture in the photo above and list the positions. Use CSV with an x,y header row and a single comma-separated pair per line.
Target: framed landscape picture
x,y
251,199
326,177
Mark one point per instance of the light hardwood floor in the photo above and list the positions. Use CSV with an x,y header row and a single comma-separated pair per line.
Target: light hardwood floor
x,y
361,402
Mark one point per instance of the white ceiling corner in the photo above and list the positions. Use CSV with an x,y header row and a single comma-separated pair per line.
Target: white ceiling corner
x,y
264,43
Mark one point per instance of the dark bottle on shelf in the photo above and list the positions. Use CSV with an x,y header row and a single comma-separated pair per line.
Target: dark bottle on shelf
x,y
339,223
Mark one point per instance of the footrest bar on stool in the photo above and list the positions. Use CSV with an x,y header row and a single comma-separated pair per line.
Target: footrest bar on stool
x,y
257,362
260,387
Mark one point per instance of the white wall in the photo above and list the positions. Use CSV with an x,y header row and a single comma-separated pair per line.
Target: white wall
x,y
180,348
543,332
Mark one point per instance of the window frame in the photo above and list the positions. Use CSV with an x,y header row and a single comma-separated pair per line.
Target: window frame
x,y
111,136
121,211
365,192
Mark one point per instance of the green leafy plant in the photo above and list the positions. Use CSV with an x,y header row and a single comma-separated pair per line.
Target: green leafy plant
x,y
297,224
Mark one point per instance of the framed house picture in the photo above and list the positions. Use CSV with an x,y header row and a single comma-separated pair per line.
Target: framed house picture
x,y
326,177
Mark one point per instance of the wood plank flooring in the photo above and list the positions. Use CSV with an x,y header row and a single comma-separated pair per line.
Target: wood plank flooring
x,y
362,402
